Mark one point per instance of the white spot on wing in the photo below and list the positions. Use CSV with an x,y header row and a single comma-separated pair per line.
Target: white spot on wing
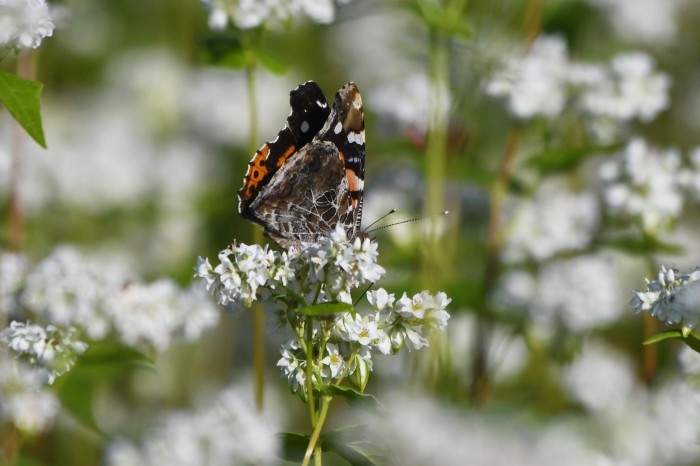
x,y
338,128
321,104
304,126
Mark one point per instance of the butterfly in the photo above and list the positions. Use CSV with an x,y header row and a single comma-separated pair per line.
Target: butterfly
x,y
310,178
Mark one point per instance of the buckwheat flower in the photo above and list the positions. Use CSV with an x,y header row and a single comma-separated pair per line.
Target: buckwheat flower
x,y
380,299
409,115
632,89
673,298
247,14
534,84
600,378
689,178
51,349
13,269
291,366
650,21
436,316
401,334
68,288
555,220
642,183
333,362
24,23
146,314
225,429
579,293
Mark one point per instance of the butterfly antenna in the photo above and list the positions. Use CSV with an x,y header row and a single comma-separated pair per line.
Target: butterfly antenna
x,y
380,218
405,221
365,292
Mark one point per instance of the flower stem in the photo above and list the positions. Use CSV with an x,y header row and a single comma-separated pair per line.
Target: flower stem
x,y
309,350
316,449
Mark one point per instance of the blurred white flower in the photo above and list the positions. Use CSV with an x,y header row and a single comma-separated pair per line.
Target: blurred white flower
x,y
23,400
674,410
689,177
94,294
673,298
24,23
429,433
651,21
601,378
534,84
630,89
227,429
642,183
247,14
51,349
555,220
12,272
515,291
407,101
580,293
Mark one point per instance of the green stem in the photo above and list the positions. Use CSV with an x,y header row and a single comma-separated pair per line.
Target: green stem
x,y
308,330
316,449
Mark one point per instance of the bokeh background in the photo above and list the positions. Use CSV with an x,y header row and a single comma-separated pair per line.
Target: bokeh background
x,y
570,175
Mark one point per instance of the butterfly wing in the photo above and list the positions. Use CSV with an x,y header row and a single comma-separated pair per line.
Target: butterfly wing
x,y
306,198
345,128
317,187
310,111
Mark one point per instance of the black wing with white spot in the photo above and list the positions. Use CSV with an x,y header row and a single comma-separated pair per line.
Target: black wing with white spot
x,y
309,112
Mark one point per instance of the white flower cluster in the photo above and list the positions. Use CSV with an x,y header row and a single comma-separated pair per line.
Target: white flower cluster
x,y
673,297
247,14
25,401
644,184
227,430
579,294
250,272
68,289
411,115
24,23
319,273
52,349
544,82
650,21
352,339
555,220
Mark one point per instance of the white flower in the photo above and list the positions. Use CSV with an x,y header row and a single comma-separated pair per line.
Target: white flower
x,y
247,14
411,307
555,220
380,299
642,183
534,84
689,178
334,361
580,293
673,297
13,268
226,429
602,379
412,114
631,89
650,21
50,348
24,23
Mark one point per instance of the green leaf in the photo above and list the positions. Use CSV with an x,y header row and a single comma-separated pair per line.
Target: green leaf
x,y
675,333
566,158
101,362
323,309
693,342
689,338
352,396
343,442
293,446
21,98
647,245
